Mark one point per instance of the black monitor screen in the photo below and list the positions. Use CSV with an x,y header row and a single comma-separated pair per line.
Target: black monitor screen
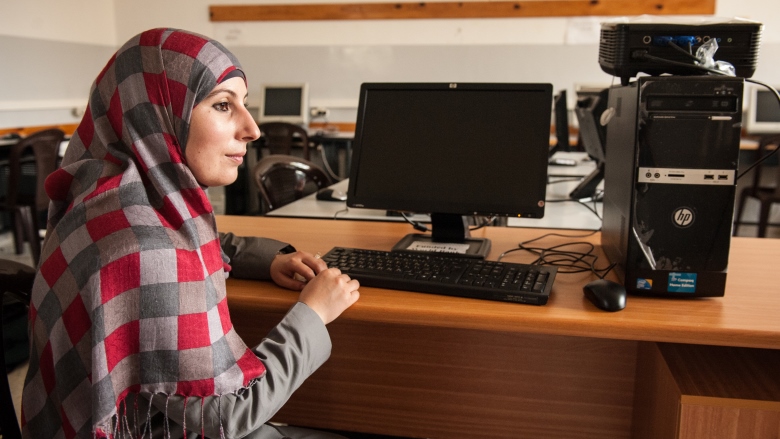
x,y
282,101
467,149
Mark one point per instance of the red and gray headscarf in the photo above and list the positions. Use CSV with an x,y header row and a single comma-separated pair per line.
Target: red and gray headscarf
x,y
130,294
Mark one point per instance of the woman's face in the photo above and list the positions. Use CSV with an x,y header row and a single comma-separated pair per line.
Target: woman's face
x,y
220,128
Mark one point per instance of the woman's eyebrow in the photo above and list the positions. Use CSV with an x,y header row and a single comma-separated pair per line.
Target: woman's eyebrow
x,y
218,90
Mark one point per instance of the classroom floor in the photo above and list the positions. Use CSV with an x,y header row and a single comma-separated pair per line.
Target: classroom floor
x,y
16,376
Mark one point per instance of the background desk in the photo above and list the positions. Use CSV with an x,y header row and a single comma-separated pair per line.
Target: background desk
x,y
423,365
560,212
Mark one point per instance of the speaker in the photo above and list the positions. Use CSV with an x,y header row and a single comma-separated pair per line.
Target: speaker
x,y
672,152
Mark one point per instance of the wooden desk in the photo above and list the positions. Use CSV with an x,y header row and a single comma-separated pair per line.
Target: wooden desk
x,y
423,365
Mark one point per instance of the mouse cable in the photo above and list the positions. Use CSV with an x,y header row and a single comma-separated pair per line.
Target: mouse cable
x,y
568,261
344,210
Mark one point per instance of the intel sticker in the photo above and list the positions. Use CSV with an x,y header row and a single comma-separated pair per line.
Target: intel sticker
x,y
682,283
644,284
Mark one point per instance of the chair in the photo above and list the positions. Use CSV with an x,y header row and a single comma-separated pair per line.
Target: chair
x,y
16,281
281,137
25,197
766,196
282,179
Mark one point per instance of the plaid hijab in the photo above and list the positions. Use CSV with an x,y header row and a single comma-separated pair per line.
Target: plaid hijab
x,y
130,294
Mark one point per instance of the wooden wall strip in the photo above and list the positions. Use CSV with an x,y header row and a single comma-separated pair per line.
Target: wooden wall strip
x,y
469,9
69,129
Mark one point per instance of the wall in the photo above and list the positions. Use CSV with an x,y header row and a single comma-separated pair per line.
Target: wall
x,y
52,66
51,51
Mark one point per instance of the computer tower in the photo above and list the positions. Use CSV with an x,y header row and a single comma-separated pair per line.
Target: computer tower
x,y
672,152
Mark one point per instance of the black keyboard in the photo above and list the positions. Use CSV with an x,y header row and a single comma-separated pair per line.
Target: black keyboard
x,y
447,274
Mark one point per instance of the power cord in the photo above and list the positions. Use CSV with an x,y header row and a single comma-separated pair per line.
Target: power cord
x,y
567,261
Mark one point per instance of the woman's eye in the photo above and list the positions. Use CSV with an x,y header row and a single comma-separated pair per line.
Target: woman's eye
x,y
222,106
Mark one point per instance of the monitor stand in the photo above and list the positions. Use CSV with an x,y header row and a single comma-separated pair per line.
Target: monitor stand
x,y
587,187
449,234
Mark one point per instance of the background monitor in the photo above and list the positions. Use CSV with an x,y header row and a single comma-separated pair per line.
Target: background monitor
x,y
593,137
284,103
451,150
561,114
763,112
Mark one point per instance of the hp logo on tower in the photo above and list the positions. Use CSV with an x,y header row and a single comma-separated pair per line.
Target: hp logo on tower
x,y
683,217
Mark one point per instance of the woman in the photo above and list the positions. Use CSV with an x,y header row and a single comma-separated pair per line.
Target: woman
x,y
129,303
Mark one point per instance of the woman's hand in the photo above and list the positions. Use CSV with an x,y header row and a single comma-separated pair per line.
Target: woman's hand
x,y
285,267
330,293
325,290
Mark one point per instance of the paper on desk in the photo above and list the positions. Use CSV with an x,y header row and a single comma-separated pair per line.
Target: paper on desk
x,y
440,247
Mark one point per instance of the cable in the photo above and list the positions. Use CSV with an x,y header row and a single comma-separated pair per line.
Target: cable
x,y
687,53
584,202
327,165
568,261
487,222
417,226
682,64
344,210
594,200
565,180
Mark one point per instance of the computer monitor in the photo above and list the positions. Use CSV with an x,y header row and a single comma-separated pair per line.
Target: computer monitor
x,y
451,150
561,113
763,112
284,103
593,136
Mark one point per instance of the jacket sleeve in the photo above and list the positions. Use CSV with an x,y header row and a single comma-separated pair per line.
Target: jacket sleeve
x,y
250,257
291,352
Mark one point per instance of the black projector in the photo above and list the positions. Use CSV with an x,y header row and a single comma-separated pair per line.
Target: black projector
x,y
628,48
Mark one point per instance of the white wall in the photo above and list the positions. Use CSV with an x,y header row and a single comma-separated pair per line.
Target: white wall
x,y
78,21
333,56
50,51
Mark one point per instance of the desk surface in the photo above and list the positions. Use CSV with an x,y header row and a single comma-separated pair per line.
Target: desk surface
x,y
746,316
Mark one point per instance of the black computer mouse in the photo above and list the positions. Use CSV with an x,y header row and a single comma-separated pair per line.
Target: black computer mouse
x,y
606,295
330,194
